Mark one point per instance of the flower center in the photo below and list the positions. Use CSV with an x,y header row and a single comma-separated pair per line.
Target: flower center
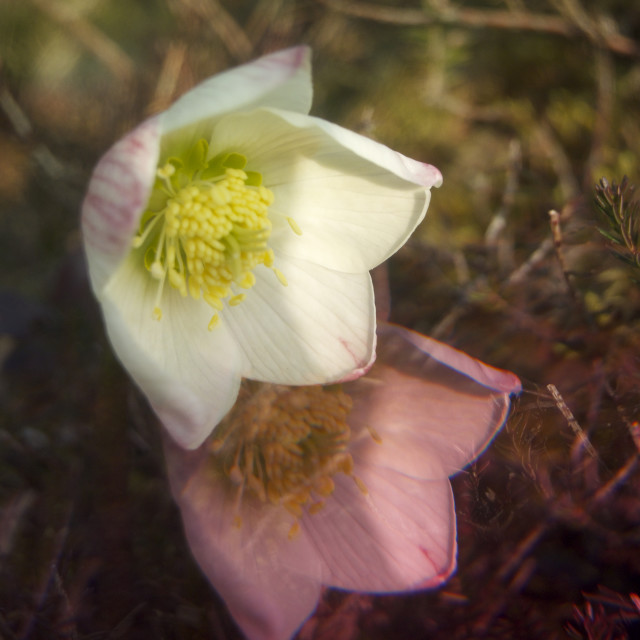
x,y
284,445
206,228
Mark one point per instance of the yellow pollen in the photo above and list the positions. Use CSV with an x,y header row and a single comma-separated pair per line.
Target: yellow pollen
x,y
283,445
294,226
206,229
294,531
374,434
280,276
361,485
316,506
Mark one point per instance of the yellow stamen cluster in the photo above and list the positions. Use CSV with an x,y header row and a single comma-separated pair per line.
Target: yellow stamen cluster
x,y
283,445
206,229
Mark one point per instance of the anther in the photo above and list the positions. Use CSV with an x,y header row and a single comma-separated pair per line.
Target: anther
x,y
374,435
206,235
294,531
284,445
316,507
280,276
294,226
157,270
361,485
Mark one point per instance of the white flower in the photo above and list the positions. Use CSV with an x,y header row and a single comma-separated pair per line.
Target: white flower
x,y
231,236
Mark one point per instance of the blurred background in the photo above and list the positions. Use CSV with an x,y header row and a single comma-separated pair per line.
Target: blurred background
x,y
524,105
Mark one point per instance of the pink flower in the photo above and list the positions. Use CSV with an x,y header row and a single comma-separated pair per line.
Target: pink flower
x,y
232,235
341,486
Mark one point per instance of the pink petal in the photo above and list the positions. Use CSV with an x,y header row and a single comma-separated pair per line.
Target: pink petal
x,y
269,583
117,194
399,536
434,407
486,375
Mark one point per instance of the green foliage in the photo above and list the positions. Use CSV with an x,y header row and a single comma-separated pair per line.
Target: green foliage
x,y
622,212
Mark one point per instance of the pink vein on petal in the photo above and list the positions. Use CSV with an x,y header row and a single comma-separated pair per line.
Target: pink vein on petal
x,y
439,576
119,189
288,59
361,369
421,172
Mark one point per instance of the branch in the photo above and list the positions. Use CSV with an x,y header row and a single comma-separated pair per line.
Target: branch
x,y
89,36
480,18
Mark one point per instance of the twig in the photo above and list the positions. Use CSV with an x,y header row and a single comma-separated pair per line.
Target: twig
x,y
571,421
477,113
262,18
536,258
632,426
634,430
11,516
17,117
494,235
53,167
499,221
481,18
605,86
89,36
575,14
499,602
559,160
622,474
52,582
524,548
168,79
224,25
556,233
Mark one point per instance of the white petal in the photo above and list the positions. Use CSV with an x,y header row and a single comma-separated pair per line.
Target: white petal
x,y
317,329
190,375
281,80
400,536
116,197
355,200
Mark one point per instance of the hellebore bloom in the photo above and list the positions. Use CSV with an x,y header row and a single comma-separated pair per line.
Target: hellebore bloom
x,y
232,235
344,486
